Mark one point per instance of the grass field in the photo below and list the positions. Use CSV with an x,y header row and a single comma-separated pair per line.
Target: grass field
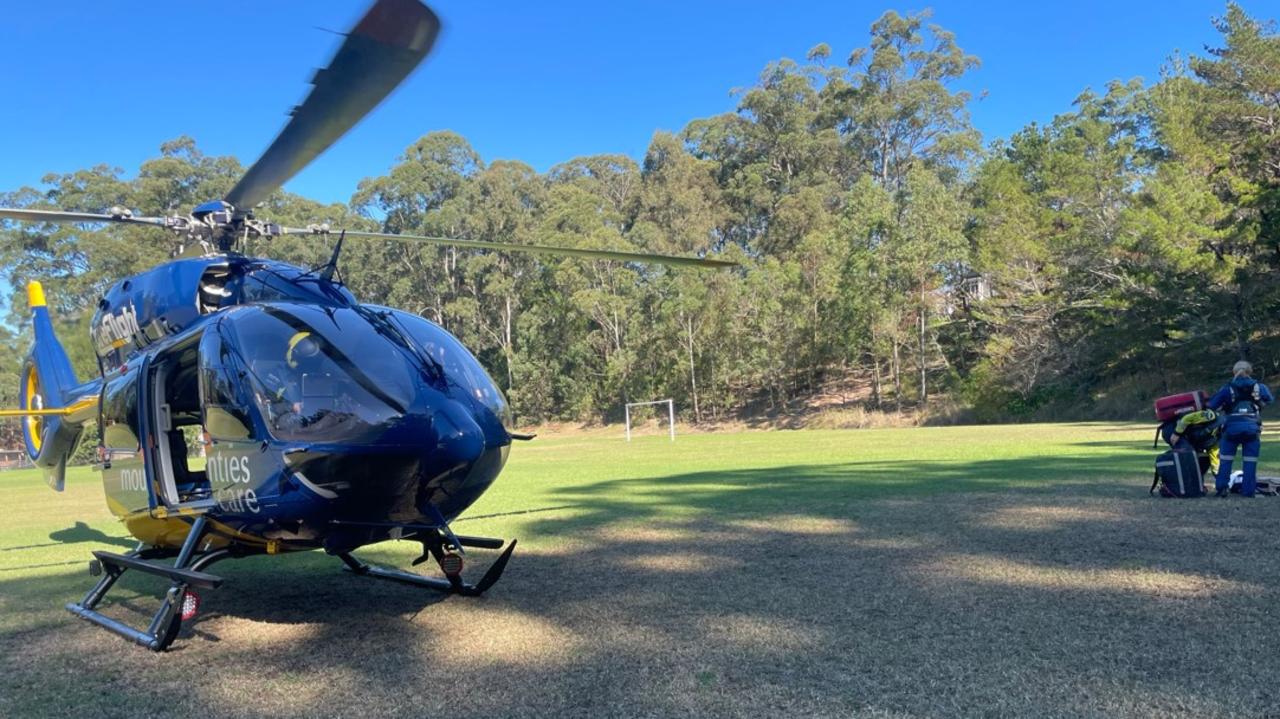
x,y
997,571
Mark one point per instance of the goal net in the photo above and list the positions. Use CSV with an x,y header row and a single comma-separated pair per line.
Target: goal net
x,y
671,415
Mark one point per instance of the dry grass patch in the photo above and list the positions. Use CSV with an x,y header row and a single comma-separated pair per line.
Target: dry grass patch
x,y
798,524
1153,582
1042,516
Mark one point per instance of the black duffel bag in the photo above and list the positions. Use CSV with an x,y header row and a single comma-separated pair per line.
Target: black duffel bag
x,y
1178,474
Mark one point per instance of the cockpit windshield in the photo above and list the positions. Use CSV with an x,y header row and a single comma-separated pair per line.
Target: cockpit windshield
x,y
462,372
320,374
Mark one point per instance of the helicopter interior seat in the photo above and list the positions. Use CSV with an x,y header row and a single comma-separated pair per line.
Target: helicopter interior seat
x,y
190,484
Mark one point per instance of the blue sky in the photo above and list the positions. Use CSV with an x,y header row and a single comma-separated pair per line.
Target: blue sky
x,y
88,82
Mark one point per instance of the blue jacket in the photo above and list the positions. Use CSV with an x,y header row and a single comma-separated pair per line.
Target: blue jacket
x,y
1242,401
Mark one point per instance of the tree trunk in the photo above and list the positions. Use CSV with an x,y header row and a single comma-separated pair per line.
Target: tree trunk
x,y
876,389
693,375
924,386
897,376
715,402
509,344
1242,329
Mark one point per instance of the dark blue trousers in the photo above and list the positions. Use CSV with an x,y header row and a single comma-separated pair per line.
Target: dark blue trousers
x,y
1249,445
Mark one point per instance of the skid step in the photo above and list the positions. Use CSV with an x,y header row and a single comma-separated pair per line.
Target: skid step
x,y
183,573
186,576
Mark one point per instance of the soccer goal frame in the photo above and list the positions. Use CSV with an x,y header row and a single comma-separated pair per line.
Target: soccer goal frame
x,y
671,414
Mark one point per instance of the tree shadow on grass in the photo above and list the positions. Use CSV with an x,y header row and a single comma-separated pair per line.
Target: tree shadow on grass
x,y
824,490
1000,588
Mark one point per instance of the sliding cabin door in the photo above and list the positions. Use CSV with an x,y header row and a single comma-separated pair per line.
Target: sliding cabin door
x,y
125,478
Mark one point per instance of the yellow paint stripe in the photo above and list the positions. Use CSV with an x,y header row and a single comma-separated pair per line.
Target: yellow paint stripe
x,y
237,534
165,512
218,527
116,507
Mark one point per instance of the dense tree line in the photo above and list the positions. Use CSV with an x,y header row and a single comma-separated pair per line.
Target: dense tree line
x,y
1130,246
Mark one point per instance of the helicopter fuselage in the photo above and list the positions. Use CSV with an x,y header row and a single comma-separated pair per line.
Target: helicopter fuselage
x,y
324,422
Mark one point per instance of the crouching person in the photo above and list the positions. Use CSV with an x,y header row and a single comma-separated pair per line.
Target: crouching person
x,y
1200,432
1241,401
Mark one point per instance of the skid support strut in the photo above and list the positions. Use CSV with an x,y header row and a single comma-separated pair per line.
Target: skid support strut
x,y
183,573
434,546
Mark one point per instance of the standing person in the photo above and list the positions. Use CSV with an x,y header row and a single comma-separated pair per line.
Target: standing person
x,y
1242,400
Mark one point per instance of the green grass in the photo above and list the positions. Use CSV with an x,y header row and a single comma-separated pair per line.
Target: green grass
x,y
955,571
573,481
597,479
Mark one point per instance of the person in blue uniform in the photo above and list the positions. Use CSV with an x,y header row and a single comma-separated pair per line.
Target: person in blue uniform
x,y
1241,400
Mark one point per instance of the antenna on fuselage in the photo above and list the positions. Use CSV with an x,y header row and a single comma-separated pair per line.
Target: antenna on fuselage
x,y
326,273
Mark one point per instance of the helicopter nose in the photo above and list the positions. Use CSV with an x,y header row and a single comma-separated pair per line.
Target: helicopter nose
x,y
475,460
459,436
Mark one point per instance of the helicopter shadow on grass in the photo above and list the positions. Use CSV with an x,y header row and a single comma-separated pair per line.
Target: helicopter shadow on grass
x,y
814,590
81,532
75,534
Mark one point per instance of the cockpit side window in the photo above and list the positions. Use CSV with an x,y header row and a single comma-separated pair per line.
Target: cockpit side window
x,y
223,400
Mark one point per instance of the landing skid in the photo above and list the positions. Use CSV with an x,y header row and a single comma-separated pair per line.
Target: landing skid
x,y
434,545
185,572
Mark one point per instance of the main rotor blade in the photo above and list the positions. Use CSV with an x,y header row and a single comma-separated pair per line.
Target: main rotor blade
x,y
381,50
535,249
11,213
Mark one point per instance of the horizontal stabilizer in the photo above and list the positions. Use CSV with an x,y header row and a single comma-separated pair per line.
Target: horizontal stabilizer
x,y
82,411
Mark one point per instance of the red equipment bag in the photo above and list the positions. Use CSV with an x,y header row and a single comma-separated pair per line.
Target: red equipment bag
x,y
1176,405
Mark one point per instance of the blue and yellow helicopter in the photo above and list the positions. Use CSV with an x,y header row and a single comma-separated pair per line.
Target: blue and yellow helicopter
x,y
327,423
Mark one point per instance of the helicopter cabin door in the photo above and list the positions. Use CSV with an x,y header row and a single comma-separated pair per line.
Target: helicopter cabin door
x,y
173,378
124,473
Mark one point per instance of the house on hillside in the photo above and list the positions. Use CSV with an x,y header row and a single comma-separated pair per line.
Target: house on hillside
x,y
972,287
